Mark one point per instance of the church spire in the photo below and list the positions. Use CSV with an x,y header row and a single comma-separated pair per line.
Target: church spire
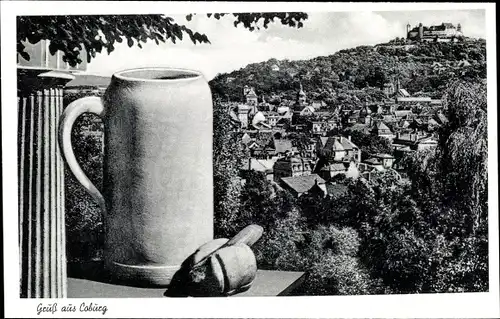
x,y
301,95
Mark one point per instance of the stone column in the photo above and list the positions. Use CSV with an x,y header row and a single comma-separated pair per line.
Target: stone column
x,y
41,183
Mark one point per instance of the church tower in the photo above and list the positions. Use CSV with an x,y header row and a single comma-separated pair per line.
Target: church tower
x,y
301,96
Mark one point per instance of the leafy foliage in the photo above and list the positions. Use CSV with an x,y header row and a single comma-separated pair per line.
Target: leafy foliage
x,y
84,224
92,33
227,158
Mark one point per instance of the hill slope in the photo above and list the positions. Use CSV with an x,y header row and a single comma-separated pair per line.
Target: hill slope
x,y
354,75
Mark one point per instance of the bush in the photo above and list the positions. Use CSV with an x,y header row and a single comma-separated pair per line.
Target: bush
x,y
84,224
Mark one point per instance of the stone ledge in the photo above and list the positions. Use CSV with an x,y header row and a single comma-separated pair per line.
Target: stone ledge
x,y
267,283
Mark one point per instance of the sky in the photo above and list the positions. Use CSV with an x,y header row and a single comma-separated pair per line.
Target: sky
x,y
323,33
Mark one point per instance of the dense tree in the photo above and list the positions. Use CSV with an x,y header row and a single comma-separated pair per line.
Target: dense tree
x,y
262,202
334,268
227,159
450,186
464,168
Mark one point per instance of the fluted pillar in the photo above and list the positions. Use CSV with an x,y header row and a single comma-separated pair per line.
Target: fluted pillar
x,y
42,239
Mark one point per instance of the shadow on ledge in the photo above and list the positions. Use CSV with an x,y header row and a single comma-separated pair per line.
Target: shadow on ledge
x,y
89,270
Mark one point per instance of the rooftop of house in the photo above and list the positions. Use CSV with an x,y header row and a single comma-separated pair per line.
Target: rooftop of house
x,y
258,117
402,113
323,140
441,118
347,143
389,118
302,184
233,116
414,138
373,161
318,104
463,63
403,93
309,109
245,138
433,122
262,126
428,140
335,167
270,113
282,145
383,155
333,144
259,165
360,127
282,109
382,127
414,99
324,114
251,93
436,101
404,124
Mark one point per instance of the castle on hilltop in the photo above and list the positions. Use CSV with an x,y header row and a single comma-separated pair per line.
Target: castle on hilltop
x,y
444,32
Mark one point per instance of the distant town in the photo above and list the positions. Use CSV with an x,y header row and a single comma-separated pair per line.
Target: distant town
x,y
408,123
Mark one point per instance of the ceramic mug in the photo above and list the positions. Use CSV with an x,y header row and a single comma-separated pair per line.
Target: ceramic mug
x,y
157,195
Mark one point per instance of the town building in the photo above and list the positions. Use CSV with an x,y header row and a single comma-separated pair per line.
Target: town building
x,y
250,96
382,130
413,142
338,148
321,126
309,150
292,166
389,89
308,110
381,162
259,165
301,96
266,146
243,113
300,185
347,168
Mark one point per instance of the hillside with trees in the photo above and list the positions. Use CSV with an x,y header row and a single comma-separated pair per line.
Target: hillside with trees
x,y
352,76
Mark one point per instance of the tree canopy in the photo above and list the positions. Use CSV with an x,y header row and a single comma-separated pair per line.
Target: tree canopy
x,y
92,33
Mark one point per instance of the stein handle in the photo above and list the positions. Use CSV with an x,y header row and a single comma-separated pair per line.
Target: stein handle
x,y
90,104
